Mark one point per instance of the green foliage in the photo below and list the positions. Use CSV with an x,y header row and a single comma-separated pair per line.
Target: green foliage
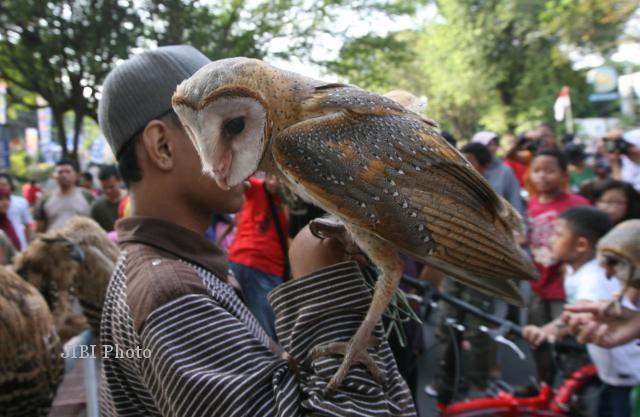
x,y
489,63
595,25
19,162
371,61
62,50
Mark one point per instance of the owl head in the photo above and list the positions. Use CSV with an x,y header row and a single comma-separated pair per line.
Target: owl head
x,y
619,266
619,252
227,121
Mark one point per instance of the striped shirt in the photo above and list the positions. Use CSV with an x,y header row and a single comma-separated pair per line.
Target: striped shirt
x,y
202,353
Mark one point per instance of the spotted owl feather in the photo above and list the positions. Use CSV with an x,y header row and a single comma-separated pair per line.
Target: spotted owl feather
x,y
385,169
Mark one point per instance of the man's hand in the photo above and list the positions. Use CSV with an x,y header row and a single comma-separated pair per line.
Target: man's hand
x,y
598,323
308,254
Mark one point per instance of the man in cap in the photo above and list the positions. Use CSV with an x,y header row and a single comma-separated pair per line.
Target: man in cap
x,y
177,339
500,176
623,152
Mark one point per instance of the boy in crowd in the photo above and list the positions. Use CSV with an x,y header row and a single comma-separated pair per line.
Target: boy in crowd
x,y
576,234
170,295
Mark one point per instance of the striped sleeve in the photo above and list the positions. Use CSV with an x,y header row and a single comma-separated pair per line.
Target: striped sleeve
x,y
329,306
204,362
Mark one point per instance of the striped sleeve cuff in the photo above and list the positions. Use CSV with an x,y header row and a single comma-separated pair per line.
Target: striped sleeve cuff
x,y
319,308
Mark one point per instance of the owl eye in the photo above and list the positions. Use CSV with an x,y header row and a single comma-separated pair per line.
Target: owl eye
x,y
234,126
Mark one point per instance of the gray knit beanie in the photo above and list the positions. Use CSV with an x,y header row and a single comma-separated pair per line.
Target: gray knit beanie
x,y
140,89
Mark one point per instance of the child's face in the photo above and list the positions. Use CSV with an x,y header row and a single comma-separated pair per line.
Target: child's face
x,y
546,175
614,203
563,241
4,204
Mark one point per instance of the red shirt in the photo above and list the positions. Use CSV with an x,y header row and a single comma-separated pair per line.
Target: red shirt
x,y
31,192
541,219
519,169
257,244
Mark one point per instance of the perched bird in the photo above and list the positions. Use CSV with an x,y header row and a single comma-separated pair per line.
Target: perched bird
x,y
31,365
382,170
75,262
618,253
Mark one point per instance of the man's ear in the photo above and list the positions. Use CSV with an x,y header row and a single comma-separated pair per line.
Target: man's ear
x,y
158,144
583,245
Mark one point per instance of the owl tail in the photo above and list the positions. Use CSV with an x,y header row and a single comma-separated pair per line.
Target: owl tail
x,y
478,248
506,289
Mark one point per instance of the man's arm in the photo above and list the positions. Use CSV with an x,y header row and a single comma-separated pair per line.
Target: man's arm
x,y
206,361
40,215
599,323
27,221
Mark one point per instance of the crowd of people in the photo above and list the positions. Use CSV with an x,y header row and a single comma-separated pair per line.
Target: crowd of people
x,y
171,288
569,199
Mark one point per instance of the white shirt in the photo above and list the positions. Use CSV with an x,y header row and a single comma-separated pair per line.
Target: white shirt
x,y
619,366
630,172
19,215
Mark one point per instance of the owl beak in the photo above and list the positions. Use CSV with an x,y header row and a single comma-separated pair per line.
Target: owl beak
x,y
222,169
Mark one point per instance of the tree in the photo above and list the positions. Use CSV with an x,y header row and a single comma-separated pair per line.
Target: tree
x,y
495,64
62,50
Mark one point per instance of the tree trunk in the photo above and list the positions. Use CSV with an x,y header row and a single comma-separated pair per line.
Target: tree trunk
x,y
58,118
77,126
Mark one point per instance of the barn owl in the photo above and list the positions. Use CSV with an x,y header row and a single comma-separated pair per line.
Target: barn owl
x,y
618,253
382,170
75,262
31,365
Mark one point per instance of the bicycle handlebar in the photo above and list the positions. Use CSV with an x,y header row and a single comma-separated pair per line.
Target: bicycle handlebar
x,y
430,293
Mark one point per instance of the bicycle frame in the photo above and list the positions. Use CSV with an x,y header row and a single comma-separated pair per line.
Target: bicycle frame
x,y
543,404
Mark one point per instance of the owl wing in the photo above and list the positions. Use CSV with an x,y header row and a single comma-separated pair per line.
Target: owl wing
x,y
392,174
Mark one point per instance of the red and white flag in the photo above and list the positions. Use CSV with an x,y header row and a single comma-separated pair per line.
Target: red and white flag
x,y
562,104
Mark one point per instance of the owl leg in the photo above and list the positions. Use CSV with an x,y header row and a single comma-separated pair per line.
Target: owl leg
x,y
355,351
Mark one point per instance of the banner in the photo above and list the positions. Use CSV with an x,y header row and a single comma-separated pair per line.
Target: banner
x,y
5,163
3,103
44,130
31,142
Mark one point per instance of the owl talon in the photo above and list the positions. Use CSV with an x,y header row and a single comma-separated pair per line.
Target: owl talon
x,y
328,227
355,353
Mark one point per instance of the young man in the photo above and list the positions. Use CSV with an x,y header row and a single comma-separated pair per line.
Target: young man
x,y
188,345
105,209
55,209
19,211
500,176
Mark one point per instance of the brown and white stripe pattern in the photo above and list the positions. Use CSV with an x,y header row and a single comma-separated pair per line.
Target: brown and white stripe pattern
x,y
209,357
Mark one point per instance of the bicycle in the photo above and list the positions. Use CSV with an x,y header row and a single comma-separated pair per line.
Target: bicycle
x,y
562,402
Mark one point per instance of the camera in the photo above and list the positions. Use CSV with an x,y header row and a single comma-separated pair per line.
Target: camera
x,y
619,145
534,145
